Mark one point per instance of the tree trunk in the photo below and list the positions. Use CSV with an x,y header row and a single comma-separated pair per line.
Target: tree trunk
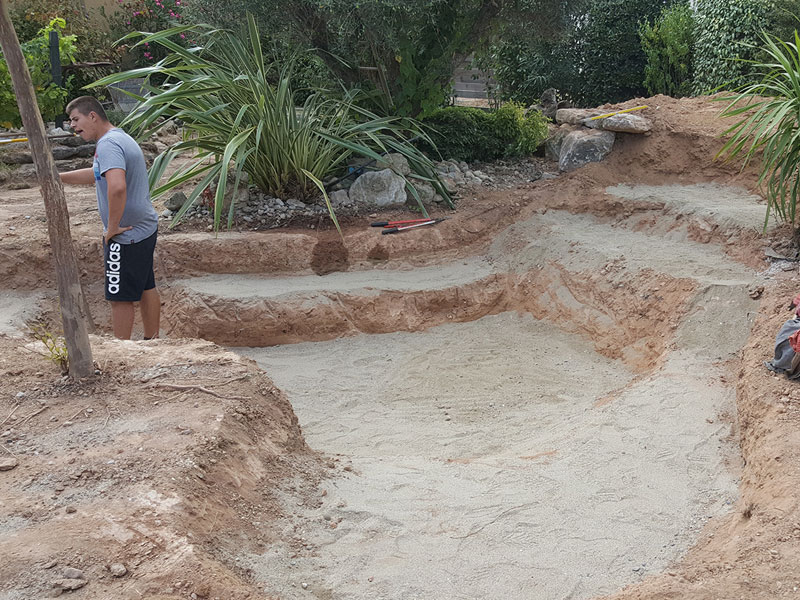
x,y
69,286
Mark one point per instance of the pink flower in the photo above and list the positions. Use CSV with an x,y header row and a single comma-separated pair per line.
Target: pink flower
x,y
183,37
177,2
136,14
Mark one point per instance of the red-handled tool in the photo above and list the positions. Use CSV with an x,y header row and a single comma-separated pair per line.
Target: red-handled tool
x,y
395,223
400,228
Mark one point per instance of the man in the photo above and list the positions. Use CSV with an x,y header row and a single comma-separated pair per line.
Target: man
x,y
131,223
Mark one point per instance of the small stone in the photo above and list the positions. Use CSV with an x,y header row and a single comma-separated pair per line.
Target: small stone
x,y
69,584
304,585
72,573
118,570
70,510
7,463
20,394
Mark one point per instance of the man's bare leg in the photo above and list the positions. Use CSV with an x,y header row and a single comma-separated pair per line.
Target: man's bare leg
x,y
150,307
122,319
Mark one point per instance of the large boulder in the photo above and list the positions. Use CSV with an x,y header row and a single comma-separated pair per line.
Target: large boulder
x,y
574,116
555,139
426,193
624,123
584,146
397,162
378,188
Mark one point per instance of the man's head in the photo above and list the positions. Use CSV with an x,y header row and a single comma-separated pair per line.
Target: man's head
x,y
87,118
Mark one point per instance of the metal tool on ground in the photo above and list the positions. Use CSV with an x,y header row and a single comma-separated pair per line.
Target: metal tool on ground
x,y
400,228
24,139
395,223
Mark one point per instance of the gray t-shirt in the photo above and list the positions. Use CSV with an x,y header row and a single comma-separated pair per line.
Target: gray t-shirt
x,y
117,150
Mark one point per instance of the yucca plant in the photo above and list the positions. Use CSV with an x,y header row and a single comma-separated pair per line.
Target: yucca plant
x,y
235,119
769,123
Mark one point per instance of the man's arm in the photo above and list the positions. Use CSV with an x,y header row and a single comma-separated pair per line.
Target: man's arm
x,y
81,176
117,197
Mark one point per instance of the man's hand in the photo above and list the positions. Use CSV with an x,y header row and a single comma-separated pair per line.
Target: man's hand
x,y
112,231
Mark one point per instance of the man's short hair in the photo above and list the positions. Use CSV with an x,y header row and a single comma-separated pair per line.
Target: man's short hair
x,y
85,105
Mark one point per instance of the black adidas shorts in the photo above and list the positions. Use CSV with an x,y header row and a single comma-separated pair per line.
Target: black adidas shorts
x,y
129,269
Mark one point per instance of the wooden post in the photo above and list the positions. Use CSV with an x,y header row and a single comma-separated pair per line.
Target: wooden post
x,y
69,286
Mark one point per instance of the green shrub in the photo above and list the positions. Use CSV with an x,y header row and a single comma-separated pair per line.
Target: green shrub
x,y
768,114
667,44
50,97
472,134
234,119
727,36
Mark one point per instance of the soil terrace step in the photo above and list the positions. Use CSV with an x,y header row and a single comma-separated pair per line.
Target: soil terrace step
x,y
542,256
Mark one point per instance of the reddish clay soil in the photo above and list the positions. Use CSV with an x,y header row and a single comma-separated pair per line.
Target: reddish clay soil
x,y
178,454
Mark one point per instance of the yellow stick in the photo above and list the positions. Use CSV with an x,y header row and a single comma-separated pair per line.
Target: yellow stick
x,y
14,140
619,112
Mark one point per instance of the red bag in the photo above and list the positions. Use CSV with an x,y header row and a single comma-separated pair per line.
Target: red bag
x,y
794,341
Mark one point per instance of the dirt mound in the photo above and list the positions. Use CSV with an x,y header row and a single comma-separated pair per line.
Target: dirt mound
x,y
175,455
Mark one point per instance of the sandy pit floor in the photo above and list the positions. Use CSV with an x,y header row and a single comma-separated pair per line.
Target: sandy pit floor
x,y
485,468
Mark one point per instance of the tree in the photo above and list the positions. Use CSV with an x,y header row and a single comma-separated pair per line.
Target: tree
x,y
405,50
610,58
728,35
667,44
69,287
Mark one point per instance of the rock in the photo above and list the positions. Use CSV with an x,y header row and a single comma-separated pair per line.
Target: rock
x,y
552,146
293,204
548,103
118,570
425,191
449,184
86,151
70,510
148,147
625,123
574,116
378,188
339,198
72,573
16,157
584,146
69,584
549,175
397,162
64,152
73,141
7,463
74,163
166,214
175,202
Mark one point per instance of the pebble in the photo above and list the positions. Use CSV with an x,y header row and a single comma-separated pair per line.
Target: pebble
x,y
118,570
7,463
20,394
72,573
70,510
69,584
304,585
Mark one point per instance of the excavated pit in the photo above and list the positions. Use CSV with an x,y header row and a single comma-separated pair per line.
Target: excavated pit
x,y
551,419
